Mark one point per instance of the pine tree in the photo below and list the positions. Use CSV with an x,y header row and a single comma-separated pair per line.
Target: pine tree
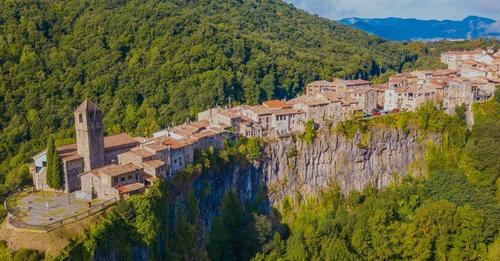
x,y
54,169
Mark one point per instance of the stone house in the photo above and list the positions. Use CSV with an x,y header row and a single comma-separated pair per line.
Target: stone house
x,y
113,181
261,115
334,110
380,90
343,85
286,121
315,108
474,69
454,59
319,86
366,97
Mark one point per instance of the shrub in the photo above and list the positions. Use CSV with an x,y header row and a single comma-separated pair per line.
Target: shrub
x,y
310,132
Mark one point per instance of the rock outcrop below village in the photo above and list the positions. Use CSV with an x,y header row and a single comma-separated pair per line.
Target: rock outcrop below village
x,y
290,167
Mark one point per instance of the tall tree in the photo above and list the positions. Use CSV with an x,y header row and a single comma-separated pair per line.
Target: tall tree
x,y
233,235
54,169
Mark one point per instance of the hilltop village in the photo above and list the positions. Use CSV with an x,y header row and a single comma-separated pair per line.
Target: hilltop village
x,y
119,166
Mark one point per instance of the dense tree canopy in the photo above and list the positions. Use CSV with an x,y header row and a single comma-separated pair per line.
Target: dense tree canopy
x,y
151,64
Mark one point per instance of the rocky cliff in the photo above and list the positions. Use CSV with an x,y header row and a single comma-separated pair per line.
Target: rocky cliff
x,y
290,167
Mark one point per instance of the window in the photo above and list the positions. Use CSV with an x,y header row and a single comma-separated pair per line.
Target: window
x,y
80,118
122,179
44,164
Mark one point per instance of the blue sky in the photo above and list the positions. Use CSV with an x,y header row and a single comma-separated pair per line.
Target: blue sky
x,y
423,9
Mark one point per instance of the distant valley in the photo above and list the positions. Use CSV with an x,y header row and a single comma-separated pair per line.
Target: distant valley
x,y
408,29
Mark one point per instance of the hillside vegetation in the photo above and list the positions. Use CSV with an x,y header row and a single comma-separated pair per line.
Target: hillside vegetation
x,y
151,64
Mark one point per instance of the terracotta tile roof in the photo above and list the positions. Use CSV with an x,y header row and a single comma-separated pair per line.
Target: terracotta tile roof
x,y
175,144
66,150
260,110
114,170
156,163
181,132
131,187
381,87
349,101
444,72
203,134
437,84
148,177
275,104
402,89
396,80
361,90
321,83
118,141
331,96
412,89
156,147
72,157
199,124
309,101
142,152
232,114
424,90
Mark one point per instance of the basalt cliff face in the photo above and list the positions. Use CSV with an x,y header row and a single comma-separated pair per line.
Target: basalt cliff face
x,y
290,167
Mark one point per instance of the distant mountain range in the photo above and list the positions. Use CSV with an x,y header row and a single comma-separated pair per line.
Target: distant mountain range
x,y
407,29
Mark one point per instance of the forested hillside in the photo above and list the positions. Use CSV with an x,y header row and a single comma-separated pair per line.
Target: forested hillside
x,y
151,64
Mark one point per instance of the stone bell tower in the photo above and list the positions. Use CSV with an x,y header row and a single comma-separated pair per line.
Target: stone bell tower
x,y
89,135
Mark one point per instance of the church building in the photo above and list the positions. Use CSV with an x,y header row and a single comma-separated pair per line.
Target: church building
x,y
91,151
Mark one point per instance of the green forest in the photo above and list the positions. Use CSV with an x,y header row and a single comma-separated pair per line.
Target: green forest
x,y
150,64
153,64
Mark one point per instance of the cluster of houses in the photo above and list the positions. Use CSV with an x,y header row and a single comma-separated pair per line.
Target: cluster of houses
x,y
119,166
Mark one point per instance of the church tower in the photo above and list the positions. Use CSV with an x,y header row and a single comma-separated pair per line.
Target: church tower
x,y
89,135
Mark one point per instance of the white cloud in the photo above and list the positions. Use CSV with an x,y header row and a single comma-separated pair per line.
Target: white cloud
x,y
494,28
424,9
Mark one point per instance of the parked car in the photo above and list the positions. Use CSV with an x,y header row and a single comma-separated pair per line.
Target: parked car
x,y
367,115
376,113
395,110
